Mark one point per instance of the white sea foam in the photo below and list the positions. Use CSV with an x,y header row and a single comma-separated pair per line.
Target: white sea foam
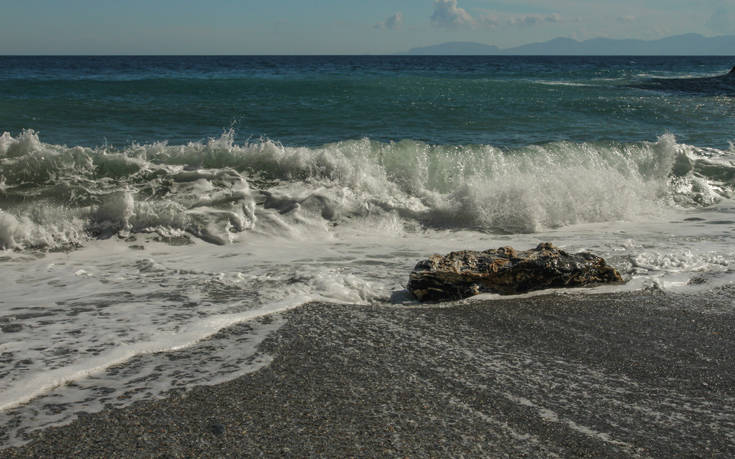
x,y
561,83
217,189
185,335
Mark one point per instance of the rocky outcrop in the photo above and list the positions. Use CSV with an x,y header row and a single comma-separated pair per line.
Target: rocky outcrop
x,y
506,271
715,85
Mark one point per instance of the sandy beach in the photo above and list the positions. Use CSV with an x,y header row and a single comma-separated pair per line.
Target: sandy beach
x,y
634,374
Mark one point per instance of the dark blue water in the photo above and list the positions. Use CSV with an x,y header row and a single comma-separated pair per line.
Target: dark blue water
x,y
501,101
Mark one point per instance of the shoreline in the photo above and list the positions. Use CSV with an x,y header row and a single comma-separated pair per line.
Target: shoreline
x,y
613,374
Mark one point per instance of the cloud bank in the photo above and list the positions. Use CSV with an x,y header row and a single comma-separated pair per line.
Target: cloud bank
x,y
534,19
449,15
528,20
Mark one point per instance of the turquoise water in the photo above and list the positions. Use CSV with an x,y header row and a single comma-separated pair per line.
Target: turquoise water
x,y
500,101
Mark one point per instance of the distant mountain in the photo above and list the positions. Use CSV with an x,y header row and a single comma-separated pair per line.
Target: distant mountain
x,y
687,44
456,48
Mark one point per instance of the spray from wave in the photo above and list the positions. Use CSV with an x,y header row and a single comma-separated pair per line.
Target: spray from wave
x,y
54,196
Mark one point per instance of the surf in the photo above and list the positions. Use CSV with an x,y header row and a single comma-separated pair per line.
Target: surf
x,y
218,190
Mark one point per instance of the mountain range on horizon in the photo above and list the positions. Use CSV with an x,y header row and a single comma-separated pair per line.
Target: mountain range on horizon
x,y
683,45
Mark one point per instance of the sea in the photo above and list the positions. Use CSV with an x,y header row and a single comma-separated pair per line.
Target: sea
x,y
158,212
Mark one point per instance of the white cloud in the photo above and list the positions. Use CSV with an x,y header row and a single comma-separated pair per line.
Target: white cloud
x,y
534,19
528,20
392,23
448,14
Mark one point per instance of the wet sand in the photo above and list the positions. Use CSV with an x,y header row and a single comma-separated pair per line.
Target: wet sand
x,y
635,374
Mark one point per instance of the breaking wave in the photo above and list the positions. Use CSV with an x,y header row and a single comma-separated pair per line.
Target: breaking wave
x,y
55,196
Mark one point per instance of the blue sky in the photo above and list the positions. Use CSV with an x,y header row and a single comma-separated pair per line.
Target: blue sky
x,y
336,26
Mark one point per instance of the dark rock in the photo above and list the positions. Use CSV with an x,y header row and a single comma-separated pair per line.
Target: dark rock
x,y
217,428
715,85
506,271
11,328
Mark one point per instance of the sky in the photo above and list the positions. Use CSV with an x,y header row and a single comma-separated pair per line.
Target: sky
x,y
337,26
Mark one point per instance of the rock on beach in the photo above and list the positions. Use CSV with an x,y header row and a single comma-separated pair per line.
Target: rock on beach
x,y
506,271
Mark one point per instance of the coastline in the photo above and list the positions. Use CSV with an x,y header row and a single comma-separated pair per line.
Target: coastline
x,y
621,374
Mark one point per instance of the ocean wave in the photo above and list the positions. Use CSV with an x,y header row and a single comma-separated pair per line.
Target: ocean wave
x,y
53,196
561,83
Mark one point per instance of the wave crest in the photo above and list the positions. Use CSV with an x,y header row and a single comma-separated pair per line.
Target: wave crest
x,y
217,189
